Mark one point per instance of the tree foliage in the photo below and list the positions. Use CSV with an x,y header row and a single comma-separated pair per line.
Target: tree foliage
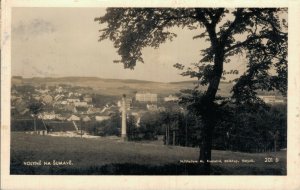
x,y
259,33
35,107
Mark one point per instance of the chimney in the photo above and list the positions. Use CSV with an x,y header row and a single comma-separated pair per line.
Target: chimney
x,y
123,131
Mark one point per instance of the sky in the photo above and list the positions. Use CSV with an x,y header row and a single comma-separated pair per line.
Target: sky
x,y
59,42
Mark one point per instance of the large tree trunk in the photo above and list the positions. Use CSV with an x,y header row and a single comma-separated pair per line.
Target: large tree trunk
x,y
206,142
209,113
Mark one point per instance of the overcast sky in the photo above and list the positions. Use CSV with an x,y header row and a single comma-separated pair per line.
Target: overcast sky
x,y
57,42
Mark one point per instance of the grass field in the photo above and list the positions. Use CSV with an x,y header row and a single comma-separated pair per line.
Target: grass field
x,y
109,156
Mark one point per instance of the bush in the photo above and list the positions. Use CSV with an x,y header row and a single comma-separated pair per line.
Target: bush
x,y
109,127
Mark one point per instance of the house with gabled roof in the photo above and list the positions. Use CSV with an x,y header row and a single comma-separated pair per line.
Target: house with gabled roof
x,y
93,110
88,99
86,118
101,117
73,118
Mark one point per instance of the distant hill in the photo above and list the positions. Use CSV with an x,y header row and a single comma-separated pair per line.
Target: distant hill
x,y
116,87
109,86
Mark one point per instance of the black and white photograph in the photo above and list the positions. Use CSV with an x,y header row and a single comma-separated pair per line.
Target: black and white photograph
x,y
148,91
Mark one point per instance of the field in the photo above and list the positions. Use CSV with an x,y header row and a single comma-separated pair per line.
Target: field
x,y
110,156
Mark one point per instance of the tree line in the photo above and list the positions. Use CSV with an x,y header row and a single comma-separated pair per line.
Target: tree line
x,y
240,129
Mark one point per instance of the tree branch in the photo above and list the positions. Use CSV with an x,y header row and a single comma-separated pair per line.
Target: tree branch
x,y
201,16
248,40
275,28
232,26
217,16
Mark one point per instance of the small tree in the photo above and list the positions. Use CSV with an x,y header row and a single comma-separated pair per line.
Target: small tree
x,y
113,126
132,130
150,126
257,32
35,108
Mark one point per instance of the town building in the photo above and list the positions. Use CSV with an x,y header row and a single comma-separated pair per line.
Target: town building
x,y
171,98
47,115
58,97
88,99
81,104
73,118
73,100
152,107
101,118
86,119
93,110
146,97
60,117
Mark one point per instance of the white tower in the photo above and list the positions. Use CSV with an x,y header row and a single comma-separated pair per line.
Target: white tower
x,y
123,131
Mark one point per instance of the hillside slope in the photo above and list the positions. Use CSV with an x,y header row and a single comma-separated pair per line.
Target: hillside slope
x,y
110,156
121,86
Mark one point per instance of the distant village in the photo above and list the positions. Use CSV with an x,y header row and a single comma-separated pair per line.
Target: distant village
x,y
74,104
67,104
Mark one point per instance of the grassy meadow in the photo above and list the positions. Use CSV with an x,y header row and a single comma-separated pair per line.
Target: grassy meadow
x,y
110,156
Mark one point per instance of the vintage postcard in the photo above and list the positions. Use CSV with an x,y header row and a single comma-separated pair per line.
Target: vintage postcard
x,y
98,94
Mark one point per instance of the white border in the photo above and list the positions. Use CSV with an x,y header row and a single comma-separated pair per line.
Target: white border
x,y
291,181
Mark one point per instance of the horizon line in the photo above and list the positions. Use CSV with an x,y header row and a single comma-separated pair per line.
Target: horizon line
x,y
57,77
